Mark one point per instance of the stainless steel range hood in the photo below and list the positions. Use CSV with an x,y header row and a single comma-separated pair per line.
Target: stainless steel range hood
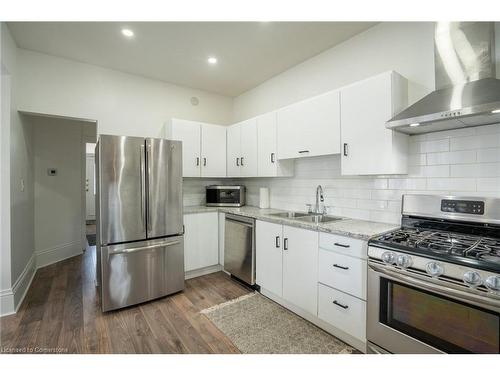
x,y
467,90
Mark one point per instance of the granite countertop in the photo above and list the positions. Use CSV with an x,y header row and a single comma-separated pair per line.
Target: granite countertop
x,y
360,229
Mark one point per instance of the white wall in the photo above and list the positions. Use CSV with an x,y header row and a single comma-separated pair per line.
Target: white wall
x,y
17,245
59,207
122,103
404,47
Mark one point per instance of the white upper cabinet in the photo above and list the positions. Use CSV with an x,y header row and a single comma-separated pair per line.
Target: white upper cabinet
x,y
203,147
242,149
248,159
189,132
267,142
213,150
310,127
233,134
367,146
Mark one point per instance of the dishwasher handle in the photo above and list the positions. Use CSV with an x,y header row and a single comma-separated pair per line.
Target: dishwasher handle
x,y
243,220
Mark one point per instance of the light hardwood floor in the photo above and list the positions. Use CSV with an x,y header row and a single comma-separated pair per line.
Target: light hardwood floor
x,y
61,311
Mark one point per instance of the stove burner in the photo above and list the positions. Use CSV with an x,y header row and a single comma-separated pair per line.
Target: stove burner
x,y
446,244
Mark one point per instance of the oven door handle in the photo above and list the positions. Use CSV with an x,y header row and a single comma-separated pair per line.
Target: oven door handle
x,y
461,293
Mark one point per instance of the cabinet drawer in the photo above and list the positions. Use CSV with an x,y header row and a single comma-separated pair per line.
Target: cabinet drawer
x,y
342,244
343,272
343,311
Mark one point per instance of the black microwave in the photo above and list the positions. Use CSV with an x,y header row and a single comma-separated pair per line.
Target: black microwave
x,y
225,195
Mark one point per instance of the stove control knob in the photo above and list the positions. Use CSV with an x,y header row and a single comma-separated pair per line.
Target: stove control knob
x,y
493,284
404,261
472,279
388,257
434,269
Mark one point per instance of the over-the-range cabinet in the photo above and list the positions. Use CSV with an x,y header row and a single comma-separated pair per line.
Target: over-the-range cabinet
x,y
140,250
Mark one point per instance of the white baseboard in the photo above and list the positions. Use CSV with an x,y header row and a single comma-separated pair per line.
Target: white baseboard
x,y
49,256
202,271
11,299
344,336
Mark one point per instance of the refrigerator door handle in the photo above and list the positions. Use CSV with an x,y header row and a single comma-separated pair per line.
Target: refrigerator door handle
x,y
143,248
143,188
148,158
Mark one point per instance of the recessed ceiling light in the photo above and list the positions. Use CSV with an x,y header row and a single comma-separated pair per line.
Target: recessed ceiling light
x,y
128,33
496,111
212,60
415,124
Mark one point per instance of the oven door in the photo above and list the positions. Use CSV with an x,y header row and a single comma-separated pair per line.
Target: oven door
x,y
412,313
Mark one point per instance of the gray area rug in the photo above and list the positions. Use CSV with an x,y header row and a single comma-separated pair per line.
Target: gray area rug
x,y
257,325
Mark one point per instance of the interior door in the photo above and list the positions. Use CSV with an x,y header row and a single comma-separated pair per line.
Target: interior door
x,y
90,187
213,150
248,159
164,171
300,268
122,189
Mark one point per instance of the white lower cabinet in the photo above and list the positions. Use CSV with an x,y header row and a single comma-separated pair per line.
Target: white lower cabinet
x,y
300,265
201,240
343,272
342,311
269,256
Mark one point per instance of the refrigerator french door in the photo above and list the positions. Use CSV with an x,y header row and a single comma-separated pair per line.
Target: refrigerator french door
x,y
140,248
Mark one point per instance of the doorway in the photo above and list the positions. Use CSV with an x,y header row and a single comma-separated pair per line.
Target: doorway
x,y
90,193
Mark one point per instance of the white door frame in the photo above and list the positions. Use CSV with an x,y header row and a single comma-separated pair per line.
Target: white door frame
x,y
85,139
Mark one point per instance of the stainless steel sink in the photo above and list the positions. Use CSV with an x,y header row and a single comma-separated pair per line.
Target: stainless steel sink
x,y
308,217
316,219
290,215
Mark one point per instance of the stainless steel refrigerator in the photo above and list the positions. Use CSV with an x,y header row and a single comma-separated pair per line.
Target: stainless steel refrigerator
x,y
140,245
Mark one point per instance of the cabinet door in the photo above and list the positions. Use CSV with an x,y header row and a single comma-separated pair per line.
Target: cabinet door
x,y
201,240
269,262
213,150
189,133
310,127
300,268
233,150
266,140
368,147
248,159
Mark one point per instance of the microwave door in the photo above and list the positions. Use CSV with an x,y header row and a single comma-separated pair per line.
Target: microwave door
x,y
121,179
164,171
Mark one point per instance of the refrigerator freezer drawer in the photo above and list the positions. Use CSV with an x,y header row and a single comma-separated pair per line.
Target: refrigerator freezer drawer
x,y
141,271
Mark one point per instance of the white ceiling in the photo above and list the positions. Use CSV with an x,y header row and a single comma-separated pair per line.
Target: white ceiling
x,y
248,52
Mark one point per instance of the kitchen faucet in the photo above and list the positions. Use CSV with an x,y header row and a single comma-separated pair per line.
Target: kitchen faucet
x,y
319,198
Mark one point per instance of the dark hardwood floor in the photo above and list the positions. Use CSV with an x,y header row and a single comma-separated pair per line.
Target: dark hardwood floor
x,y
61,313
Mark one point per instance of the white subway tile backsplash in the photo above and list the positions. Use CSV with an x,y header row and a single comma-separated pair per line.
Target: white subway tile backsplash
x,y
435,145
488,155
475,142
407,183
476,170
429,171
489,184
452,157
465,184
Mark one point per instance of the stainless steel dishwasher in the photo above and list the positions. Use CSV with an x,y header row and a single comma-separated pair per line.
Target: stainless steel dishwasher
x,y
239,247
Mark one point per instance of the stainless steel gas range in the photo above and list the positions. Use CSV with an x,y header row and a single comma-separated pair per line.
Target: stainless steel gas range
x,y
434,283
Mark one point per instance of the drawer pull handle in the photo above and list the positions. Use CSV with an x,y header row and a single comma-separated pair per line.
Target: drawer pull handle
x,y
341,245
341,267
345,307
285,244
303,151
278,241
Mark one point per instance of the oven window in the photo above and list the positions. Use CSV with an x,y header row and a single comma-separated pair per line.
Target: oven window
x,y
446,324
